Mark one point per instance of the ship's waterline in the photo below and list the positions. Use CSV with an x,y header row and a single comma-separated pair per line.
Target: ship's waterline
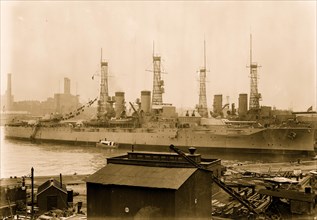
x,y
247,140
49,158
154,123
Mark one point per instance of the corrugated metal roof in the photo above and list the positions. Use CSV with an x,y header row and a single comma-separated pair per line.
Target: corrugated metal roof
x,y
51,183
141,176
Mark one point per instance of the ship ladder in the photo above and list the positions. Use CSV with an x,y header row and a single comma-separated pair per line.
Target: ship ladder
x,y
246,203
35,130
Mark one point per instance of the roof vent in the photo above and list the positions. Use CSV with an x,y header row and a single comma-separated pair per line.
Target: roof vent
x,y
192,150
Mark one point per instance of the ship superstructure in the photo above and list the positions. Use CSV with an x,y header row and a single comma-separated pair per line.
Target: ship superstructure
x,y
202,106
158,83
104,95
255,96
157,124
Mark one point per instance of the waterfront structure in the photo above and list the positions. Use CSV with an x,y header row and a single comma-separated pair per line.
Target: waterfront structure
x,y
151,185
10,196
300,202
52,194
61,102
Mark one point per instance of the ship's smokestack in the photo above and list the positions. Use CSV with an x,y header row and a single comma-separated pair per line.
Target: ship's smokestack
x,y
233,109
243,105
217,104
146,101
119,107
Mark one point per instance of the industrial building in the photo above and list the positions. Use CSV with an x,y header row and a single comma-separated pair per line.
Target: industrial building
x,y
66,102
61,102
151,185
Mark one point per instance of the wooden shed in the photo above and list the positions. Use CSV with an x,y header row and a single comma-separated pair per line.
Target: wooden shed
x,y
51,195
122,190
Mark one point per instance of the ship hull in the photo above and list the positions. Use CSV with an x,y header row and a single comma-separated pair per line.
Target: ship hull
x,y
248,140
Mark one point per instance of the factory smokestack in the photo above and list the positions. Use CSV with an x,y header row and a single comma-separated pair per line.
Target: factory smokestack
x,y
66,85
9,97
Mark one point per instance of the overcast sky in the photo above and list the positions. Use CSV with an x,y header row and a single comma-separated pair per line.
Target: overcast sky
x,y
43,42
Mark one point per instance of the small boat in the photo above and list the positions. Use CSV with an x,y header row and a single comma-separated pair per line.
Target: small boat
x,y
107,144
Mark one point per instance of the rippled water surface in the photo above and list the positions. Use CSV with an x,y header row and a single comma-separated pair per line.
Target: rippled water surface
x,y
17,158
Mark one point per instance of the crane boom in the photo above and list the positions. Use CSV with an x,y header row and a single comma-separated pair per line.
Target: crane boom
x,y
133,108
221,184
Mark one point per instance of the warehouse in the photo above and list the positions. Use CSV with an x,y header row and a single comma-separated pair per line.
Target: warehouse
x,y
160,186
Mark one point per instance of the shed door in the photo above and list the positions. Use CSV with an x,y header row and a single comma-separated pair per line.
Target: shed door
x,y
51,202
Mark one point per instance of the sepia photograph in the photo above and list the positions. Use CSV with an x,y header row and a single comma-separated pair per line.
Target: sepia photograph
x,y
158,110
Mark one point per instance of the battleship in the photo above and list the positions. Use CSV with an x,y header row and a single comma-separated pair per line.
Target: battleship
x,y
154,124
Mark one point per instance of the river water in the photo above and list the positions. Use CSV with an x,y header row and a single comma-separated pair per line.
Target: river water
x,y
48,159
18,157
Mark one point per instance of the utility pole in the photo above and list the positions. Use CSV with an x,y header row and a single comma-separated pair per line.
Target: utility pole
x,y
32,193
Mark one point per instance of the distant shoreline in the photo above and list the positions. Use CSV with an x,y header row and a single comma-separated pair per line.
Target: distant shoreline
x,y
74,179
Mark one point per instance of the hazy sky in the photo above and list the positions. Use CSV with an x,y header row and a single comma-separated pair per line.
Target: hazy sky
x,y
43,42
